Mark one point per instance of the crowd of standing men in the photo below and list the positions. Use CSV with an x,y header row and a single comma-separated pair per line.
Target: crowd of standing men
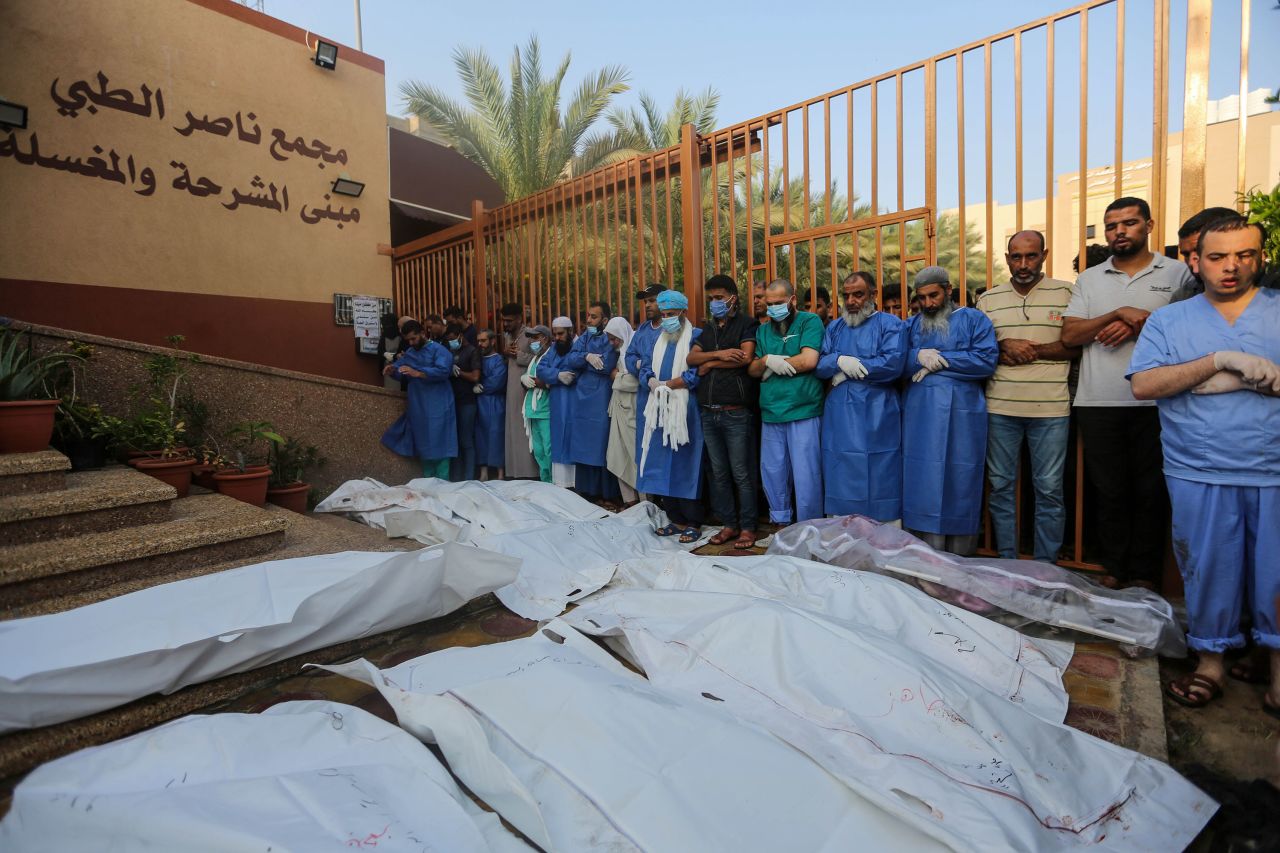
x,y
775,407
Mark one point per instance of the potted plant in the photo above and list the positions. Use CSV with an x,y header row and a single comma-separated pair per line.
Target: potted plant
x,y
81,430
168,463
290,460
245,475
26,408
160,399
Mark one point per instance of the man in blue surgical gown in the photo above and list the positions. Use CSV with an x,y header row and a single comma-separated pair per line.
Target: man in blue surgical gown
x,y
428,429
554,372
593,359
491,407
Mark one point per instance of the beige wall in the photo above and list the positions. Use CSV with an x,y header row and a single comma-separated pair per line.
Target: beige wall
x,y
69,227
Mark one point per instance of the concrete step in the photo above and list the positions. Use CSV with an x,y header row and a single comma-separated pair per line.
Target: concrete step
x,y
112,498
42,471
203,530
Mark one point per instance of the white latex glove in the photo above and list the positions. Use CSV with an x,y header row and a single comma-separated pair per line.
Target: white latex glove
x,y
456,370
1259,372
477,389
662,390
779,365
654,384
767,375
595,361
921,374
527,381
851,367
566,377
1222,382
837,379
932,360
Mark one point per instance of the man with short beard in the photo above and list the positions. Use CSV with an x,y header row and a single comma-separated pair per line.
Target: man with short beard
x,y
593,358
951,353
553,371
491,407
515,348
1027,398
1109,304
1210,362
863,354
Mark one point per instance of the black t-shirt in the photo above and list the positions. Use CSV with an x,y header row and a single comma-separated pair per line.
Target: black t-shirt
x,y
466,357
727,386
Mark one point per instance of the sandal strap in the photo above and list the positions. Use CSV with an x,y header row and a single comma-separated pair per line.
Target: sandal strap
x,y
1203,682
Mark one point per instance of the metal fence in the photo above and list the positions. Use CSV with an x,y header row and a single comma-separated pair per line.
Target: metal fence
x,y
882,175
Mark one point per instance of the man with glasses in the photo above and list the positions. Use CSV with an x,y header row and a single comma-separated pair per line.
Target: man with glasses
x,y
1027,397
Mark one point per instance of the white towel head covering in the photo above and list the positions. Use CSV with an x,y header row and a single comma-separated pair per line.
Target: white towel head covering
x,y
562,323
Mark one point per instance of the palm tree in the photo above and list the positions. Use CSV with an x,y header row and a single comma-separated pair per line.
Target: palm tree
x,y
516,131
636,132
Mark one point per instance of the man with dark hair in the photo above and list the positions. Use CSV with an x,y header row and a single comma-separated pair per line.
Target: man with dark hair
x,y
434,325
822,305
515,348
863,354
1108,307
951,352
1210,363
466,373
428,429
787,349
757,301
1027,398
725,394
642,341
491,408
892,300
455,314
1094,254
593,359
1188,237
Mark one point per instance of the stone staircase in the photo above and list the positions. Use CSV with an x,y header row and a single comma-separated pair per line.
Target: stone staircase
x,y
68,539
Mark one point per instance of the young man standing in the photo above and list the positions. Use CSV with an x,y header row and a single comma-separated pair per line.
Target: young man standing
x,y
466,373
1210,362
554,372
428,429
787,348
725,393
491,408
1109,304
1027,398
454,314
593,359
536,407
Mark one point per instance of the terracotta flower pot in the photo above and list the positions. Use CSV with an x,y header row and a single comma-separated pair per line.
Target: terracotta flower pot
x,y
131,457
26,425
174,471
202,475
292,496
249,486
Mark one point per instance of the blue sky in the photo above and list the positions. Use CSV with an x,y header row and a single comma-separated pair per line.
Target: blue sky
x,y
759,62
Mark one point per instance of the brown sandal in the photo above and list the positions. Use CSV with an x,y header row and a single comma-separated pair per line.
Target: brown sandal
x,y
1209,690
725,534
1252,668
746,541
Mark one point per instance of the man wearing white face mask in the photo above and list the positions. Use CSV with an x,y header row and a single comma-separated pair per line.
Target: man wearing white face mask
x,y
670,447
537,403
592,358
787,349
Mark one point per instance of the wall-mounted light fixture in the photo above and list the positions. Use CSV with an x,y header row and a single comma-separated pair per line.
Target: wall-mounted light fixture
x,y
12,116
326,55
345,186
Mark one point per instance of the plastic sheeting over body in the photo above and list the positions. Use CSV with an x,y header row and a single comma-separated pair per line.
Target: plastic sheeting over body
x,y
301,776
1039,592
70,664
579,753
906,731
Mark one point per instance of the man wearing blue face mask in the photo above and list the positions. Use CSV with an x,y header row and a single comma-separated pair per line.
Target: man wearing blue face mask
x,y
787,349
726,395
466,373
593,359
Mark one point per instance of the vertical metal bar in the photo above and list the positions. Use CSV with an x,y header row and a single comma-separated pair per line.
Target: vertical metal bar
x,y
653,215
879,254
617,235
733,202
639,221
1195,106
791,259
826,148
962,241
990,202
1049,182
875,148
930,164
849,190
1160,136
715,207
813,275
1017,130
898,99
767,230
671,241
1082,215
1118,158
808,184
786,174
1243,121
531,286
691,219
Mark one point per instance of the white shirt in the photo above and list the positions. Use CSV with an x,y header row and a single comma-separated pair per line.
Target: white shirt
x,y
1102,289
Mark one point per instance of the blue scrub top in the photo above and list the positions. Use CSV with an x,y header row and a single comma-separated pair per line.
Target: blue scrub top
x,y
549,369
428,428
1227,439
675,474
591,394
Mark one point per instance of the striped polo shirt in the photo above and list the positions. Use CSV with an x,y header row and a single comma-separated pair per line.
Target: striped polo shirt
x,y
1038,389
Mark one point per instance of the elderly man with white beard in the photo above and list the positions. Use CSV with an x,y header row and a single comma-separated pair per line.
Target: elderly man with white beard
x,y
863,354
670,447
950,354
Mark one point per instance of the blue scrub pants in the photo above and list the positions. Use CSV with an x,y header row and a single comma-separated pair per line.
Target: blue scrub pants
x,y
791,454
463,466
1227,541
1047,441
